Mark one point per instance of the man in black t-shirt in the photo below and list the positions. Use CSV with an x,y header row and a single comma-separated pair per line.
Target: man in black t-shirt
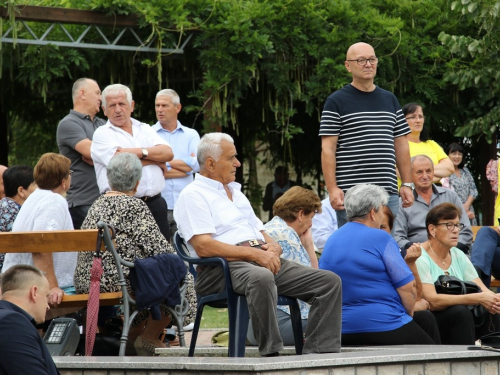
x,y
363,135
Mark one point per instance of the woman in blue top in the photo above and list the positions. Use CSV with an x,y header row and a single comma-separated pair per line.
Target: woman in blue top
x,y
441,257
378,287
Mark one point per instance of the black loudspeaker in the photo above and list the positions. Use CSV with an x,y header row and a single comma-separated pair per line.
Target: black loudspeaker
x,y
62,337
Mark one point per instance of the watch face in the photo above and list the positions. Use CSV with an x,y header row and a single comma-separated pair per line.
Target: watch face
x,y
145,153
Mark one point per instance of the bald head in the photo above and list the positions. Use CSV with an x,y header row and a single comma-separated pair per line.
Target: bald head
x,y
3,168
359,49
20,277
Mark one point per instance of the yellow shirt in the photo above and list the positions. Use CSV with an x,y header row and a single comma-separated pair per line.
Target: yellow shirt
x,y
427,148
497,203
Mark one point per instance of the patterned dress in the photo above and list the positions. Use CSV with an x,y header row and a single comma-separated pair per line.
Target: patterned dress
x,y
9,209
293,250
137,236
465,187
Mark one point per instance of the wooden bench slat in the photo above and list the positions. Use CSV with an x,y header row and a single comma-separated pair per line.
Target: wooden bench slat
x,y
49,241
80,300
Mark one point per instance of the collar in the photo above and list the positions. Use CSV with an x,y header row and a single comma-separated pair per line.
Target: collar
x,y
80,115
216,184
6,305
158,126
436,190
132,120
11,200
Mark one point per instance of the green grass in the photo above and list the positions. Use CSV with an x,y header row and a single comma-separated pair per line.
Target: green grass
x,y
214,318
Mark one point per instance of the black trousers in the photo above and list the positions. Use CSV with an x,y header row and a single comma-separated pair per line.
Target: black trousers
x,y
78,214
409,334
158,208
426,320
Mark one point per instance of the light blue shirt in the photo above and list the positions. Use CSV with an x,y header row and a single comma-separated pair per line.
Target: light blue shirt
x,y
184,142
324,224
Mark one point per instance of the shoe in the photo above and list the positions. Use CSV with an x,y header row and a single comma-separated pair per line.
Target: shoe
x,y
144,348
189,327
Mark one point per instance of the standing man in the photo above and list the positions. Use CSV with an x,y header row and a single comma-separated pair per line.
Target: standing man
x,y
24,303
276,189
184,142
363,136
122,133
3,168
74,137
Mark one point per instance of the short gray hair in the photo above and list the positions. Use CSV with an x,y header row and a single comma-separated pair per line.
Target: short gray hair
x,y
360,199
421,156
174,97
123,171
209,147
79,83
116,89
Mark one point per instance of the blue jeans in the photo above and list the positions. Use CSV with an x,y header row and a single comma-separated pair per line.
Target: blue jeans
x,y
485,253
393,204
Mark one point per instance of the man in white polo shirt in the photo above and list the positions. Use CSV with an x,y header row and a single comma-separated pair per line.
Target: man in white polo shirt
x,y
216,219
122,133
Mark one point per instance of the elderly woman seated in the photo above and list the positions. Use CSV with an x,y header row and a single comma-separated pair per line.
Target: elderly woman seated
x,y
378,287
291,228
441,257
137,236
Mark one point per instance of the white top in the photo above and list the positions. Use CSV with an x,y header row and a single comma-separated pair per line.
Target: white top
x,y
108,138
184,142
203,207
324,224
45,210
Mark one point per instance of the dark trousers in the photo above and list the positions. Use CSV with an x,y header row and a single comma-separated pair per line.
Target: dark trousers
x,y
426,320
456,325
408,334
158,208
78,214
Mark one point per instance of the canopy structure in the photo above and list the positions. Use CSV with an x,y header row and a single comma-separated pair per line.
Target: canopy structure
x,y
46,25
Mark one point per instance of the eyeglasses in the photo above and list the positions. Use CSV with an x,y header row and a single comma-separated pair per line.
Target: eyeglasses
x,y
451,226
362,62
420,117
71,172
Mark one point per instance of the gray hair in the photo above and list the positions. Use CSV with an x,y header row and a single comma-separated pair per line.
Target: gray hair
x,y
209,147
123,171
416,157
360,199
174,97
78,85
116,89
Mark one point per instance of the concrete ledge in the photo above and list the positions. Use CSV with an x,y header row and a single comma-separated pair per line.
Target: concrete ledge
x,y
453,360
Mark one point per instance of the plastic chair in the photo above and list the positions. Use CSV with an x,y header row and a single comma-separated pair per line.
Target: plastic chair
x,y
236,305
178,312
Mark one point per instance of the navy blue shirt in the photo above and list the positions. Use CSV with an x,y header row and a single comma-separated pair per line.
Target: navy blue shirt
x,y
22,350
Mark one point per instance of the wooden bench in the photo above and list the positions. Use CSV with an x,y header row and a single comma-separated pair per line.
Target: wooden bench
x,y
59,241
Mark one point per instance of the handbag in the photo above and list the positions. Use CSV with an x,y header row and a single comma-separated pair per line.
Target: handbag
x,y
446,284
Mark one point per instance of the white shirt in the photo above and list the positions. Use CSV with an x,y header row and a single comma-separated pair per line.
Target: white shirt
x,y
324,224
203,207
184,142
108,138
45,210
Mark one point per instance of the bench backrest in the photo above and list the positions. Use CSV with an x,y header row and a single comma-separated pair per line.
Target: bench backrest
x,y
49,241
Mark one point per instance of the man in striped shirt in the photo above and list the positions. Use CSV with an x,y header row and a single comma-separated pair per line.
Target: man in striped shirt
x,y
363,136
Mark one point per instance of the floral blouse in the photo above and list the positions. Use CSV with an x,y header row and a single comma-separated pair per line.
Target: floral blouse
x,y
465,187
9,209
293,250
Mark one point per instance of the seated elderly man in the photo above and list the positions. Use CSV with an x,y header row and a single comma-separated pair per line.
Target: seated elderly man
x,y
216,219
410,221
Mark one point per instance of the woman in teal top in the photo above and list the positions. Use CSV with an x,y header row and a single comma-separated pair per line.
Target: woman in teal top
x,y
441,257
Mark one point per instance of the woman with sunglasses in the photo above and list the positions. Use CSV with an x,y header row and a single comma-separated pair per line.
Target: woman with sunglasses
x,y
441,257
420,144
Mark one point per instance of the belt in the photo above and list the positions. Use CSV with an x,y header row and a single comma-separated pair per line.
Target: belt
x,y
149,199
251,243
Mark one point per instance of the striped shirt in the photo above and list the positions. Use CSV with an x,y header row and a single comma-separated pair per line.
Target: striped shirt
x,y
367,124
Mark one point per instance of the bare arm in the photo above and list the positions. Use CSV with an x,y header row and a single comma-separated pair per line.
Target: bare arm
x,y
403,164
173,173
329,167
83,147
444,168
158,153
45,262
408,295
307,242
412,254
180,165
206,246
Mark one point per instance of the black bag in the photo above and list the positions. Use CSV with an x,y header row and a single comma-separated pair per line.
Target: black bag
x,y
446,284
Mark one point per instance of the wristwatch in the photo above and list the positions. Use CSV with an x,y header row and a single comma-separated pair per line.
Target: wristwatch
x,y
411,185
145,153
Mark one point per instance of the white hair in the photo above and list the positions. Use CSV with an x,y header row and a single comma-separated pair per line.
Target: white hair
x,y
210,147
360,199
174,97
116,89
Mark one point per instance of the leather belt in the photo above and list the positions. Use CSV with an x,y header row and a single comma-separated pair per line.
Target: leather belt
x,y
251,243
149,199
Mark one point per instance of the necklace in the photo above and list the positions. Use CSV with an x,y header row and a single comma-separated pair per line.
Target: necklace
x,y
115,192
443,261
